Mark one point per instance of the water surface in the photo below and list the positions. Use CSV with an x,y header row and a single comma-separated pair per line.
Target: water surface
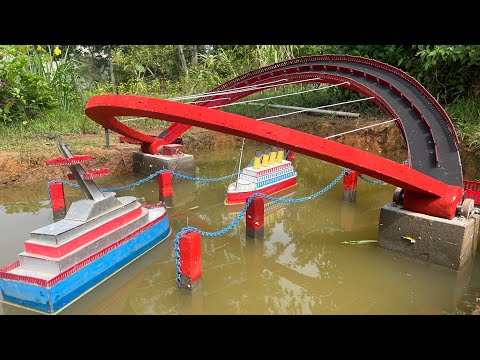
x,y
303,266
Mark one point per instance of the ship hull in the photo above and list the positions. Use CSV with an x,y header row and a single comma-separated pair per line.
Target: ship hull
x,y
52,296
241,197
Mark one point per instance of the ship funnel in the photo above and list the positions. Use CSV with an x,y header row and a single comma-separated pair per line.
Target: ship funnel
x,y
273,156
265,157
280,156
256,159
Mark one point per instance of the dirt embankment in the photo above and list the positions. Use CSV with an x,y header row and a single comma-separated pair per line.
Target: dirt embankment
x,y
26,163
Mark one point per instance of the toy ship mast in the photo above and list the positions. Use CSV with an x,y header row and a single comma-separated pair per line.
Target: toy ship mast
x,y
82,176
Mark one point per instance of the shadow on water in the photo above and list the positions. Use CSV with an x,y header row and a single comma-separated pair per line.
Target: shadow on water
x,y
305,265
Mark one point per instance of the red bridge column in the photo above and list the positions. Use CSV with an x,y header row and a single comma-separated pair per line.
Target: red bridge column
x,y
190,260
165,190
350,186
57,199
255,218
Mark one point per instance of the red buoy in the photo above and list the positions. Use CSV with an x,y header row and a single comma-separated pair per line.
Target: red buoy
x,y
255,218
190,260
57,198
165,190
350,186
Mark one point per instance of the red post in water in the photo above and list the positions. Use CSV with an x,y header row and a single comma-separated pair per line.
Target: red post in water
x,y
350,186
57,198
190,260
255,218
165,190
291,155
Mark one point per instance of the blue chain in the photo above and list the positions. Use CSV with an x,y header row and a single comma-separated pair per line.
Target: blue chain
x,y
140,182
226,229
378,181
150,177
368,180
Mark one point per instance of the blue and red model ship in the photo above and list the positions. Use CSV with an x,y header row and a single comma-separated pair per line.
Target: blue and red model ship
x,y
98,236
269,174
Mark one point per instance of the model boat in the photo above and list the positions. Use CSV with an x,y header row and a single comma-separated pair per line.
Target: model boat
x,y
270,173
97,237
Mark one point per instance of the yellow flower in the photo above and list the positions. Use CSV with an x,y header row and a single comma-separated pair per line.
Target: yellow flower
x,y
24,123
40,48
57,51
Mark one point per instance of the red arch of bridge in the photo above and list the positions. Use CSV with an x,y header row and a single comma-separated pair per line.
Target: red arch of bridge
x,y
429,134
423,194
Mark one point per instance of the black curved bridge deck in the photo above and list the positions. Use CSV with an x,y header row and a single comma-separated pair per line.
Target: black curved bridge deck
x,y
430,136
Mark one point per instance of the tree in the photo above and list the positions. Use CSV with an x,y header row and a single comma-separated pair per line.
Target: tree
x,y
182,60
110,67
194,50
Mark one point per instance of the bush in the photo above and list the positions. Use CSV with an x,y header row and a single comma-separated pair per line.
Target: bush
x,y
449,72
23,94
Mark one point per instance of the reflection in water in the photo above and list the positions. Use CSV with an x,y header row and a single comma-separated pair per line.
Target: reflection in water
x,y
301,266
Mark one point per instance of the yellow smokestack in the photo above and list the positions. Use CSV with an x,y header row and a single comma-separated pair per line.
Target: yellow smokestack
x,y
265,157
273,156
280,156
256,160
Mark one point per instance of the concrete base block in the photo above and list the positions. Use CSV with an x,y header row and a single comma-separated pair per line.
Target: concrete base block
x,y
449,243
476,232
147,164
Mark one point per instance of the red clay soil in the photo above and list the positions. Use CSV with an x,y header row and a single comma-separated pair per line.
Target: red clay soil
x,y
25,166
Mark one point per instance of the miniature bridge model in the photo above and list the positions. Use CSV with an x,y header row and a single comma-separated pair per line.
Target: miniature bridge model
x,y
433,185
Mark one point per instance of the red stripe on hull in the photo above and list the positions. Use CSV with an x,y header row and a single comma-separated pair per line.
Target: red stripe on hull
x,y
57,251
4,272
237,198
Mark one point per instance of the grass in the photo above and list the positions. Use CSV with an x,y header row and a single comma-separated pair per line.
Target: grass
x,y
465,114
48,125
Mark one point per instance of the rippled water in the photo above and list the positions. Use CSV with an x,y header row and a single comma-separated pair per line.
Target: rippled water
x,y
302,266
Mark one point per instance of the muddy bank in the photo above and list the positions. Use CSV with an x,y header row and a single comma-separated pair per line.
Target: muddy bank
x,y
24,165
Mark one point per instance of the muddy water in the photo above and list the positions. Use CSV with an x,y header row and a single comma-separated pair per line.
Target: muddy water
x,y
305,264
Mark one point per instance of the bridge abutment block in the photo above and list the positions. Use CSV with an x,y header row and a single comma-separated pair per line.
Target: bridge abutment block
x,y
476,232
147,164
449,243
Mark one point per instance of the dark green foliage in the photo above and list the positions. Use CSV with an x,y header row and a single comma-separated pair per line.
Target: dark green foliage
x,y
36,79
447,71
23,94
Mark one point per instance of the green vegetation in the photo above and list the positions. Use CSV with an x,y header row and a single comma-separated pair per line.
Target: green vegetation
x,y
43,88
465,113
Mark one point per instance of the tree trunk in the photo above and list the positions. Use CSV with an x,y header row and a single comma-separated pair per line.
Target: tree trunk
x,y
194,55
182,60
112,74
